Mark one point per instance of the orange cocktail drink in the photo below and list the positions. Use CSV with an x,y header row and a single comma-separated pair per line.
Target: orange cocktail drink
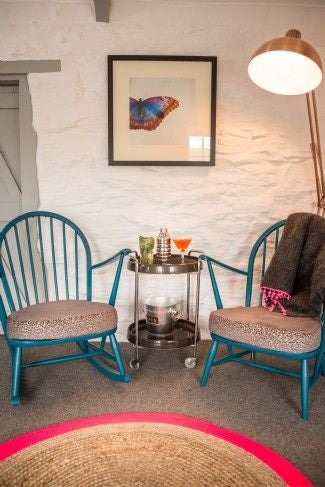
x,y
182,244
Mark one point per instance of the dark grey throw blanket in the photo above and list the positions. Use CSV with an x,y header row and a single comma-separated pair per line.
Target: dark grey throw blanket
x,y
294,282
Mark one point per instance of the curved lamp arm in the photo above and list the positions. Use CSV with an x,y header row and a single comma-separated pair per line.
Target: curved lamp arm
x,y
275,68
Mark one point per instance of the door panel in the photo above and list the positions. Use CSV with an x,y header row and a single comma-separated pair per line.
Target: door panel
x,y
10,192
10,195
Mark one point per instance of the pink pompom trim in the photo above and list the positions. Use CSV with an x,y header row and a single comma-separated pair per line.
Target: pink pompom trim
x,y
271,298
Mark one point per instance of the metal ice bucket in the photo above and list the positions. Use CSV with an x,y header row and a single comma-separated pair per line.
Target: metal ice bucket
x,y
161,316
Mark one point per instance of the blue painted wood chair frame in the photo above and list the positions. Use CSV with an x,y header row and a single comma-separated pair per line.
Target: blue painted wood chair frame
x,y
306,380
90,351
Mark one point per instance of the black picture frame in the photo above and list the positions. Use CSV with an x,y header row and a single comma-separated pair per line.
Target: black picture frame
x,y
185,131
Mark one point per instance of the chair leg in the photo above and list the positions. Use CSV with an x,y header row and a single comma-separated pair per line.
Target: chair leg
x,y
120,374
319,365
117,354
209,361
15,378
304,388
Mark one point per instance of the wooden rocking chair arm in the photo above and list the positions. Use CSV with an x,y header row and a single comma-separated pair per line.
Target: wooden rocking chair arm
x,y
111,259
120,257
222,264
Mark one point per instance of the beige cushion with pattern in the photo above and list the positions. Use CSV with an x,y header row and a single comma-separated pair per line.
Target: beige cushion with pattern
x,y
61,319
271,330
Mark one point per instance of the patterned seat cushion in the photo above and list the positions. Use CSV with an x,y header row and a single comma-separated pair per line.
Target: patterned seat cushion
x,y
271,330
61,319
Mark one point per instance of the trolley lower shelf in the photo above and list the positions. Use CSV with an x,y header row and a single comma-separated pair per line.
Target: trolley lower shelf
x,y
183,336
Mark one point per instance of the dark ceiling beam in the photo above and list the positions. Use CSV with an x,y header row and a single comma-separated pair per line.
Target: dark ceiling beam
x,y
34,66
102,10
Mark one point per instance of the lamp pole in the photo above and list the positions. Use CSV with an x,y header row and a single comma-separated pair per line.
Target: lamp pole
x,y
316,151
315,145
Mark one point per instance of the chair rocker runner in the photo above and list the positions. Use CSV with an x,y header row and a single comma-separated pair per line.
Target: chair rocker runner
x,y
45,267
254,329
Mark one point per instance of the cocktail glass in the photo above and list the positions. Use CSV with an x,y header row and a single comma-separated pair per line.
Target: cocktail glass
x,y
182,244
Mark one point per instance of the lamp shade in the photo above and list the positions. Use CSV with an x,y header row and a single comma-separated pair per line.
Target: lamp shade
x,y
286,66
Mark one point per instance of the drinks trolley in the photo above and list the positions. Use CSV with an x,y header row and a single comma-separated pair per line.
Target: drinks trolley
x,y
187,333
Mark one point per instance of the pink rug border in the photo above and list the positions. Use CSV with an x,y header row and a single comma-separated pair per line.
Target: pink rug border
x,y
284,469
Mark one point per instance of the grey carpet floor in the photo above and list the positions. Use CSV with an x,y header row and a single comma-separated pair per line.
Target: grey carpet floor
x,y
263,406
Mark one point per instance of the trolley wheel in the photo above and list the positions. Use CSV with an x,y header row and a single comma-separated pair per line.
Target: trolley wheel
x,y
190,362
134,364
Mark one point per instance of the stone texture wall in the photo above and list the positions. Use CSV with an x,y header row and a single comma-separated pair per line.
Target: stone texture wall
x,y
263,167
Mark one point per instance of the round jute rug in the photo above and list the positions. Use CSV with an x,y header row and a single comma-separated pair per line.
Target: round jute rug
x,y
141,449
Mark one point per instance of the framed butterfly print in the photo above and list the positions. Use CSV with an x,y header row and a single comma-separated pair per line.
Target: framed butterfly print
x,y
161,110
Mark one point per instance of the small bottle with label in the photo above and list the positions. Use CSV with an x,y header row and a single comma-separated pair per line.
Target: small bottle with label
x,y
163,245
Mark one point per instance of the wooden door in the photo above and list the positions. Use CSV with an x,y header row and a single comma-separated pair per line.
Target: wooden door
x,y
10,192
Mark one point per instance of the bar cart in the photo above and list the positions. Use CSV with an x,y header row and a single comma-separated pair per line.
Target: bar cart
x,y
187,333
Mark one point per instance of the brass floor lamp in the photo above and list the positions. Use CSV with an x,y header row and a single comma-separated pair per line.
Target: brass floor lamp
x,y
290,66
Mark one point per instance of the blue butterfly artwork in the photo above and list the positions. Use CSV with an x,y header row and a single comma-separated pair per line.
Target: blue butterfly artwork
x,y
149,113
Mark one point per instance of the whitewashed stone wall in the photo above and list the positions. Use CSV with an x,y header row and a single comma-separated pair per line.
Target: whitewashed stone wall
x,y
263,167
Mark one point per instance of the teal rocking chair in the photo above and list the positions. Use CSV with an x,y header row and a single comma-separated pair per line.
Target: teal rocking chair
x,y
253,329
46,275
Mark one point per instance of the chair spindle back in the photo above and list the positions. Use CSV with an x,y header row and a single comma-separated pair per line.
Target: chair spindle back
x,y
259,259
43,257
